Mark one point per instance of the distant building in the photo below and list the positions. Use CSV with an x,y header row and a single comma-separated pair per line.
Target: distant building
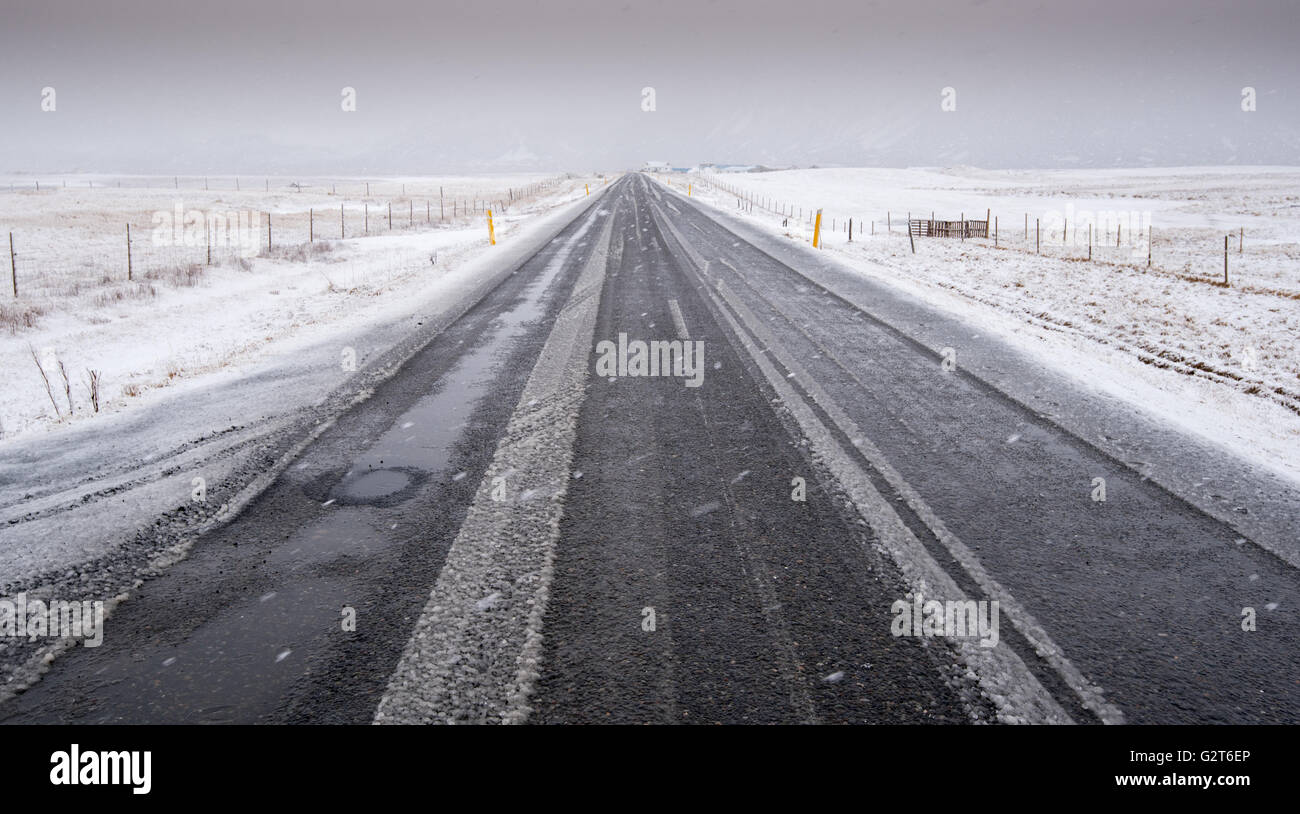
x,y
656,166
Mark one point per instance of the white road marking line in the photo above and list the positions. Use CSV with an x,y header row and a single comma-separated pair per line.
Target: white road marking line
x,y
467,662
680,323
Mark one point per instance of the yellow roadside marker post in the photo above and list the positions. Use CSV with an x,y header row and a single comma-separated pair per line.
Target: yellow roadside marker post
x,y
588,188
492,232
817,231
688,190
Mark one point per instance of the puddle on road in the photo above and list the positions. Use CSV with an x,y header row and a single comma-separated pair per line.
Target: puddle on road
x,y
378,483
238,665
421,439
345,532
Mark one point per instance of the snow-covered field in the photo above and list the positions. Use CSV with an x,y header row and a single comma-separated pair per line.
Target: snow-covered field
x,y
179,319
1219,361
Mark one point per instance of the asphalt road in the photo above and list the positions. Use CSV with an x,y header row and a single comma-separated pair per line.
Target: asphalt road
x,y
525,536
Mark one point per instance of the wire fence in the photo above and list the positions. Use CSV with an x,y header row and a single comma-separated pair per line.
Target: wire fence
x,y
98,248
1129,240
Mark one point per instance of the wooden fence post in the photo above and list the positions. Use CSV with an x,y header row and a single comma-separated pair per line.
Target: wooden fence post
x,y
128,252
13,264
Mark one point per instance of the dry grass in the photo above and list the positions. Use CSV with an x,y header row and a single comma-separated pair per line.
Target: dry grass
x,y
19,315
300,252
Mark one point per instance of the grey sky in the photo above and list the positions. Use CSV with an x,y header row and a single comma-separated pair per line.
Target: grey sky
x,y
237,86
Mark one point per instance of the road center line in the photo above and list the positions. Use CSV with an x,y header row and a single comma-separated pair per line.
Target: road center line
x,y
678,321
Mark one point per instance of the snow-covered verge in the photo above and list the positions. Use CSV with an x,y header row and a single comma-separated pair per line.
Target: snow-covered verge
x,y
1219,361
180,320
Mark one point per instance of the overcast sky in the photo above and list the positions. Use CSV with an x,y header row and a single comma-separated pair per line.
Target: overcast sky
x,y
233,86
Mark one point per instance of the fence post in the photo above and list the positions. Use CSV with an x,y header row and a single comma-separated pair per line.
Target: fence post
x,y
13,264
1038,237
390,215
367,218
311,225
442,209
1148,247
911,239
1225,260
1241,238
995,233
268,232
1090,241
850,230
340,221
